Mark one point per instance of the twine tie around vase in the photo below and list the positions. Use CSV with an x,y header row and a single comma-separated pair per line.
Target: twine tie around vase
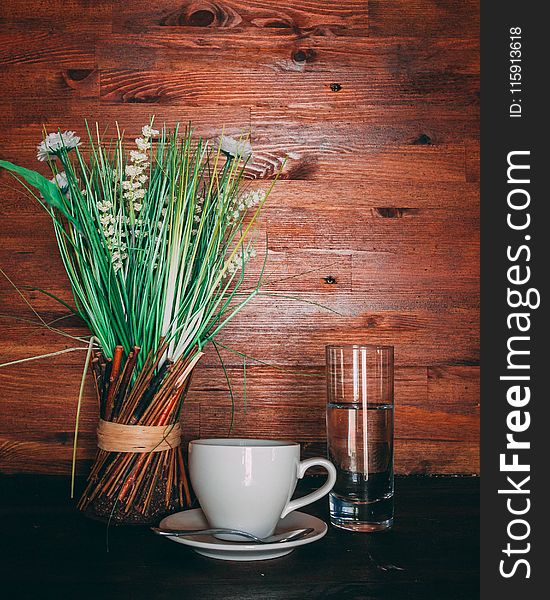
x,y
116,437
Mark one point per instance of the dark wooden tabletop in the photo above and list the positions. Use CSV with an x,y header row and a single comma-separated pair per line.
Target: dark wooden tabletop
x,y
50,550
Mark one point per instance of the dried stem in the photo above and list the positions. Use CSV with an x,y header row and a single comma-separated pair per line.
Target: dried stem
x,y
154,398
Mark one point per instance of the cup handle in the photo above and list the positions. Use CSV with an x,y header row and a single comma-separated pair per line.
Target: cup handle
x,y
322,491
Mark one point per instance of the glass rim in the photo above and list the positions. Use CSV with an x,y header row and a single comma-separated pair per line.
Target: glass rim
x,y
367,346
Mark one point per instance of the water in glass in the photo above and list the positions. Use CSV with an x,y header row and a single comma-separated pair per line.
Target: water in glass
x,y
361,447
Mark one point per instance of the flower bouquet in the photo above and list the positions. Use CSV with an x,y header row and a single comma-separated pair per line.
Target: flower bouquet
x,y
155,239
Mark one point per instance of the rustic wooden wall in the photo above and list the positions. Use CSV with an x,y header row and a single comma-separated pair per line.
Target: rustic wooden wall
x,y
374,104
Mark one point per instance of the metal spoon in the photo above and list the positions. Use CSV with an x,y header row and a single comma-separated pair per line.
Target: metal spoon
x,y
288,536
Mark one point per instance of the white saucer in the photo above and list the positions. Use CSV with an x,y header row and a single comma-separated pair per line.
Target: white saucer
x,y
208,545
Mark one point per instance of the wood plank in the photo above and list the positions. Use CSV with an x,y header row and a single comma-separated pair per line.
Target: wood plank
x,y
372,194
422,458
287,387
376,230
321,17
396,250
68,16
424,18
455,387
473,161
420,338
32,113
223,87
375,125
263,52
409,163
60,83
435,277
383,125
382,144
33,46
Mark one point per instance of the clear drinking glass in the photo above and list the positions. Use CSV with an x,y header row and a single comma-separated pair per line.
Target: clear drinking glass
x,y
360,435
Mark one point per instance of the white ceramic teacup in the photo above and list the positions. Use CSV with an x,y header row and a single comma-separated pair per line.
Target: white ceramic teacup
x,y
248,484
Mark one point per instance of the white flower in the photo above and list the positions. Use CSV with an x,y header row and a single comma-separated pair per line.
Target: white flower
x,y
234,265
117,262
115,246
246,201
235,148
55,142
104,206
135,177
133,171
138,157
253,198
130,185
143,144
106,220
61,181
237,261
149,132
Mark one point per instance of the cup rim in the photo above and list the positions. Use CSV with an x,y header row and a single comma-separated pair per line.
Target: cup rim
x,y
242,443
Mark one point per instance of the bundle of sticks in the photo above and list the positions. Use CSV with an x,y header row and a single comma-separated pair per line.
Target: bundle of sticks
x,y
139,486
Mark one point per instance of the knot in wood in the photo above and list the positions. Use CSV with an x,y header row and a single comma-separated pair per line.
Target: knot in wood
x,y
303,55
201,18
78,74
423,139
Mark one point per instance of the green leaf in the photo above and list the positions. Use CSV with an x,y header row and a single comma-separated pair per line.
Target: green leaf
x,y
53,297
47,188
